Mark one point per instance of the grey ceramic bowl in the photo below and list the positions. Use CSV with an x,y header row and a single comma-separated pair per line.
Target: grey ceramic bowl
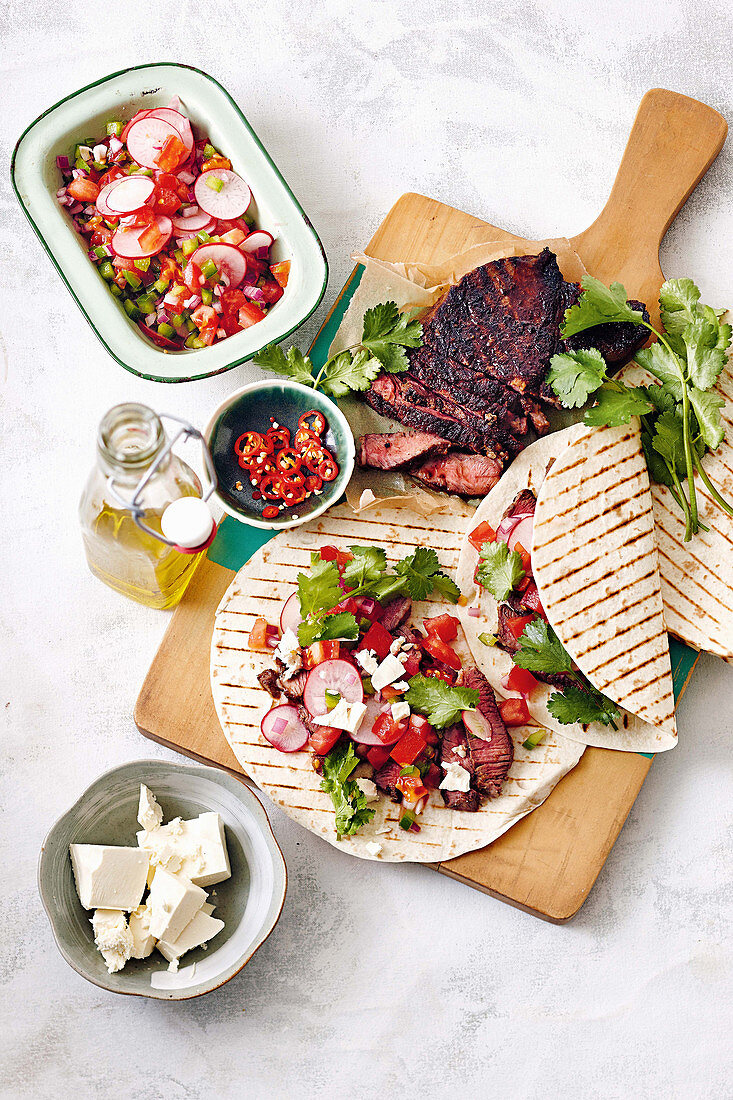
x,y
249,903
250,409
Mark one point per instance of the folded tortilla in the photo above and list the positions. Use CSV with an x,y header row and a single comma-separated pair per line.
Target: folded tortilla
x,y
595,565
260,588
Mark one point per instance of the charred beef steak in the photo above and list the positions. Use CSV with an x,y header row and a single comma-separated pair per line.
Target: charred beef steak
x,y
392,450
491,759
469,475
454,750
479,377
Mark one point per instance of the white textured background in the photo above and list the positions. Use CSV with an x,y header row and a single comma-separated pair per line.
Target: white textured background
x,y
379,979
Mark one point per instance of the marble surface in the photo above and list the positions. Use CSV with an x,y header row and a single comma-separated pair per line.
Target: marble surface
x,y
379,979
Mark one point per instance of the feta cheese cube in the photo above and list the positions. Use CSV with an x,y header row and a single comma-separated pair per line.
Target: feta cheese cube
x,y
373,848
456,778
397,645
142,942
149,813
113,938
459,750
202,928
196,848
368,789
344,716
100,153
400,710
173,902
109,877
400,685
367,658
288,650
389,670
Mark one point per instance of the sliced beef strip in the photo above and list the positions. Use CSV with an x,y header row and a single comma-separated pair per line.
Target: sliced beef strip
x,y
491,759
295,686
469,475
524,503
387,777
270,682
454,737
393,450
395,613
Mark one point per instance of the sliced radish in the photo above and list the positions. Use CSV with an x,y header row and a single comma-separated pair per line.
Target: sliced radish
x,y
290,617
195,223
283,728
522,533
229,202
365,735
337,676
128,194
126,242
258,242
133,120
101,201
476,724
178,121
228,259
147,137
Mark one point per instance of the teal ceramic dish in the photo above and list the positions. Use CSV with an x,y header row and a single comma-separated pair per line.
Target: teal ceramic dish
x,y
250,409
212,110
250,902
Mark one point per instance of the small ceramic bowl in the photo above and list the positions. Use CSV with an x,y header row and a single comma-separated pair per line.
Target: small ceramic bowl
x,y
212,111
250,409
249,903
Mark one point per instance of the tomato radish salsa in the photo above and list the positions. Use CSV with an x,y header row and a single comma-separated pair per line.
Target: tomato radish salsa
x,y
383,705
169,229
285,471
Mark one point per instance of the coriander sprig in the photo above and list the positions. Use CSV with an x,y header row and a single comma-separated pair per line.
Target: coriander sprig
x,y
680,416
386,334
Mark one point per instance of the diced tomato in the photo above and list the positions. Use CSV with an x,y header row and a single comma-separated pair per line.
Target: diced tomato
x,y
440,674
193,278
445,626
433,777
319,652
101,235
412,662
525,556
515,624
175,297
151,239
260,635
390,692
206,319
332,553
172,153
531,598
114,173
83,189
281,272
234,236
481,534
441,652
139,218
378,639
520,679
385,728
378,756
514,712
271,291
231,302
250,314
323,739
166,202
124,264
168,268
420,723
166,181
223,225
216,162
409,747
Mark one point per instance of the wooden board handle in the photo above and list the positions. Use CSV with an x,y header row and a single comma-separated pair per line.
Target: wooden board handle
x,y
673,142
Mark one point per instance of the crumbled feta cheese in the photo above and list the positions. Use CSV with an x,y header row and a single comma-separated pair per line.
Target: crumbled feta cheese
x,y
384,831
456,778
459,750
367,658
100,153
113,938
400,710
368,789
397,645
389,670
373,848
400,685
344,716
149,813
288,651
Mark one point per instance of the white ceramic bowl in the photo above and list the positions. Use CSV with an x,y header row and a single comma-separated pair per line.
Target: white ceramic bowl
x,y
249,903
212,110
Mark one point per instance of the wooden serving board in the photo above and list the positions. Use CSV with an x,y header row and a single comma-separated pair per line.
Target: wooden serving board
x,y
547,863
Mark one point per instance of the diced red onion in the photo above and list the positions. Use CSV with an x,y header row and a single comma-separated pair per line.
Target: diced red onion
x,y
279,725
78,174
216,306
163,315
190,211
192,302
150,319
90,210
474,612
255,293
115,145
217,291
220,333
61,193
76,208
186,177
62,163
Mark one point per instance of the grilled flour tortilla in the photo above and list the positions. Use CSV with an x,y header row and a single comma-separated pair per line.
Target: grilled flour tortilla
x,y
595,565
260,589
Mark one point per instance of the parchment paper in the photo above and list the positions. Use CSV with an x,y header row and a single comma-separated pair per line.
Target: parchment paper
x,y
413,285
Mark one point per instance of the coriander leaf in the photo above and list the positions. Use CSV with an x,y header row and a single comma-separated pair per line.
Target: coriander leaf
x,y
664,365
541,650
446,587
328,627
678,304
704,360
668,440
575,375
368,564
707,408
319,590
662,396
615,407
349,371
441,703
657,467
348,799
295,365
421,571
597,305
387,332
499,569
575,705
